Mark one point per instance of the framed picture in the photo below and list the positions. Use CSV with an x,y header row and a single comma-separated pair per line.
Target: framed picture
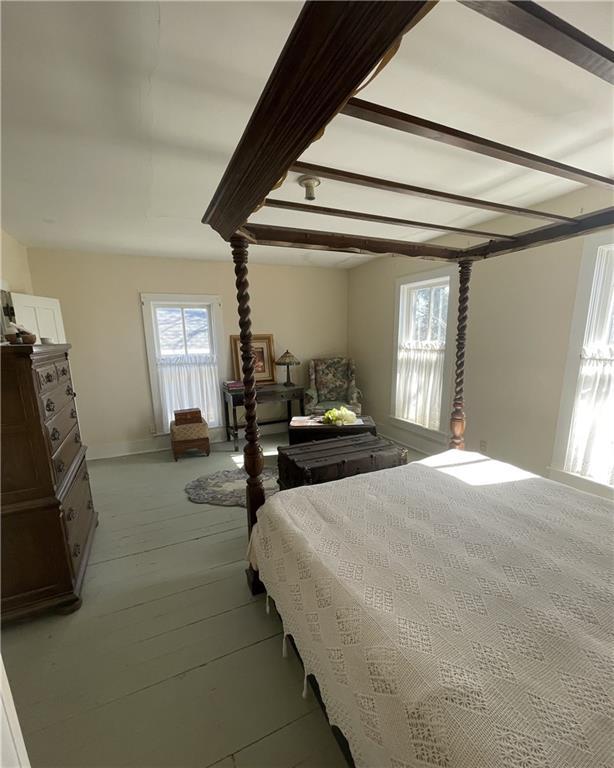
x,y
264,357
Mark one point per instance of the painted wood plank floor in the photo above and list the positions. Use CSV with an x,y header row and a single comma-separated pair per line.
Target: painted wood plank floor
x,y
170,662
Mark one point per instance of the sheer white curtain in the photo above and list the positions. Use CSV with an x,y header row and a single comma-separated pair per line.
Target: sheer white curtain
x,y
188,381
419,378
423,309
590,451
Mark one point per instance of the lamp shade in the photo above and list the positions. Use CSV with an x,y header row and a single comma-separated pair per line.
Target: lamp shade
x,y
287,359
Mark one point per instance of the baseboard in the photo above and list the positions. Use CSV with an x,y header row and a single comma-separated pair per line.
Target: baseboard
x,y
402,443
157,443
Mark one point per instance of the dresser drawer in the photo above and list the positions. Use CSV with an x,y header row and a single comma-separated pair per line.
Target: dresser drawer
x,y
60,425
63,371
65,454
78,511
77,533
47,377
54,401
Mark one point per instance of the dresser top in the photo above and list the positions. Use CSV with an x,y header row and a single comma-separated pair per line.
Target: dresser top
x,y
34,350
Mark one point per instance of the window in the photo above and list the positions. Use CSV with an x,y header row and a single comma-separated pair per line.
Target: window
x,y
180,333
590,447
421,351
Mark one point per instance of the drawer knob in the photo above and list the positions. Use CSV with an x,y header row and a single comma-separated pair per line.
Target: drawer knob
x,y
50,406
64,371
73,413
55,434
70,515
60,466
76,550
49,377
77,437
70,391
90,504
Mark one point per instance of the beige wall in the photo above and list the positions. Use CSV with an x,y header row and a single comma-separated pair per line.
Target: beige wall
x,y
304,307
14,265
519,321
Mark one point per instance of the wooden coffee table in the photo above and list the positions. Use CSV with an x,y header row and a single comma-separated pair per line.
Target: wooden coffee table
x,y
301,431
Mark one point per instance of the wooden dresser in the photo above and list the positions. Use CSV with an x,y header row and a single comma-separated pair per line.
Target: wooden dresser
x,y
48,516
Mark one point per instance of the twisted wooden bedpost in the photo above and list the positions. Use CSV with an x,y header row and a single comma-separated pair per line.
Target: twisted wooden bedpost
x,y
457,420
252,453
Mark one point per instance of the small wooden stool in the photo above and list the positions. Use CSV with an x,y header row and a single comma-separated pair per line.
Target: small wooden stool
x,y
192,434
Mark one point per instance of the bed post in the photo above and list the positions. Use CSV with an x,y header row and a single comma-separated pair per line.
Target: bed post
x,y
457,420
252,453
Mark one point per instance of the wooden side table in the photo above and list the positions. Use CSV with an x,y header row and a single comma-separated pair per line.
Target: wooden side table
x,y
265,393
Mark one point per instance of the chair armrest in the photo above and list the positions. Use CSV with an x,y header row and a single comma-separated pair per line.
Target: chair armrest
x,y
354,394
311,399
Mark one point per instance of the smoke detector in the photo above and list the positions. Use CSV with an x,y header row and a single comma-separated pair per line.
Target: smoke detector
x,y
309,183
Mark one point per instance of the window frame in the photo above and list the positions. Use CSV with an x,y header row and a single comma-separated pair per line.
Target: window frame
x,y
586,276
148,303
425,439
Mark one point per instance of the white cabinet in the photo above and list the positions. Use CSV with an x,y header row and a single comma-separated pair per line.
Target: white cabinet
x,y
41,315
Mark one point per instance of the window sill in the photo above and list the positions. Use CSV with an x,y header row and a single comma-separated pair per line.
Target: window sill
x,y
429,440
581,483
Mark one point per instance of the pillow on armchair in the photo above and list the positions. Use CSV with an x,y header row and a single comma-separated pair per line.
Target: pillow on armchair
x,y
332,383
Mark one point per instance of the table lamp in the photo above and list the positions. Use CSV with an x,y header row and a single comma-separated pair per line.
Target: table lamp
x,y
287,359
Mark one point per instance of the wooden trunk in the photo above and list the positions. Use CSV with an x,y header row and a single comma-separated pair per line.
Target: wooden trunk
x,y
188,416
327,460
48,516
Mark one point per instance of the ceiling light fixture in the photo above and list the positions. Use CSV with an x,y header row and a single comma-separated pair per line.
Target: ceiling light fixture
x,y
309,183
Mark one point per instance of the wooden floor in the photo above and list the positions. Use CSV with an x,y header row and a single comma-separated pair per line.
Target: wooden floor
x,y
170,661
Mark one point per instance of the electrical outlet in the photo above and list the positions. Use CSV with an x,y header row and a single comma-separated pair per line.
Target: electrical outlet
x,y
483,446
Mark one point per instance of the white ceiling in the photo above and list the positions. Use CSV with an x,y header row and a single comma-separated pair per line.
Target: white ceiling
x,y
118,120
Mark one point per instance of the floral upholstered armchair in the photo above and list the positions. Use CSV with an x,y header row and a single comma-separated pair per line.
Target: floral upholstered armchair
x,y
332,383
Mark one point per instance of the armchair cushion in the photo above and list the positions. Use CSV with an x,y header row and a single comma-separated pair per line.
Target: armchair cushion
x,y
332,383
325,405
332,378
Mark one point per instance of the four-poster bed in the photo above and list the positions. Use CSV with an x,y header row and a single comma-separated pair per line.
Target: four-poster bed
x,y
333,48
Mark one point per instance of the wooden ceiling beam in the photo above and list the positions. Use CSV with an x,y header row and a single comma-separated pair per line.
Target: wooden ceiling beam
x,y
549,31
331,49
427,129
350,177
289,237
288,205
582,225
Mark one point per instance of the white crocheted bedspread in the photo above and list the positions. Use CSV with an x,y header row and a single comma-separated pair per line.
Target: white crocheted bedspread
x,y
455,611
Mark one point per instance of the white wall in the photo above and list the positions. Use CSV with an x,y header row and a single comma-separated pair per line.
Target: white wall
x,y
520,313
14,265
305,308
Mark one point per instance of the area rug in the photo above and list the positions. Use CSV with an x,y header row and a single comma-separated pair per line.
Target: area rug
x,y
227,488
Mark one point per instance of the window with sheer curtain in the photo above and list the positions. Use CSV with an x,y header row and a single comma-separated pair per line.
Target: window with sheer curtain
x,y
421,347
183,361
590,449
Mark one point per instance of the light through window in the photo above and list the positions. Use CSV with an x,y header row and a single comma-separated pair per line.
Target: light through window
x,y
423,313
590,450
183,330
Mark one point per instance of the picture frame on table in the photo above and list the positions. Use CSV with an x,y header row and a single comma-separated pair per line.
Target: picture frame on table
x,y
264,354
